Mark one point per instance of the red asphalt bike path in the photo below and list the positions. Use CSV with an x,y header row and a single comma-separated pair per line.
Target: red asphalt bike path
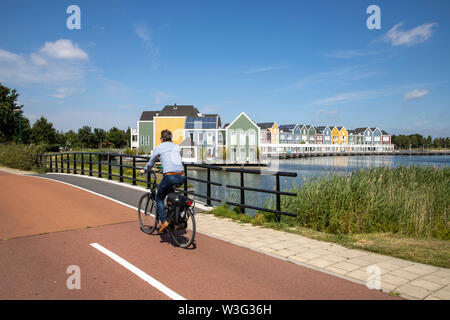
x,y
50,226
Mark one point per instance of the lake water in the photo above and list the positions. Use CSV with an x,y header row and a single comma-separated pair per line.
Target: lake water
x,y
305,168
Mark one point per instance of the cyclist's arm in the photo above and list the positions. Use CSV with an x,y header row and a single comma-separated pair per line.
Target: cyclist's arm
x,y
152,160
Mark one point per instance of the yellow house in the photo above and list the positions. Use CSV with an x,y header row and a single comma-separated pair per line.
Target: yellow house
x,y
343,136
173,118
335,136
174,124
275,133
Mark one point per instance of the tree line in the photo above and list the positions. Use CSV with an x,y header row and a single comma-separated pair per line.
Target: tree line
x,y
15,128
417,141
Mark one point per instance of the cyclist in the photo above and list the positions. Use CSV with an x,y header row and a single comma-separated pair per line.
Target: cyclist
x,y
169,154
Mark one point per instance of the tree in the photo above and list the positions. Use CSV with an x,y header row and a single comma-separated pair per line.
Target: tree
x,y
86,137
117,137
99,137
10,112
43,132
71,139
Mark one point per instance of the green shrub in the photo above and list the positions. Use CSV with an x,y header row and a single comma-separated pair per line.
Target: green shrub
x,y
413,201
19,156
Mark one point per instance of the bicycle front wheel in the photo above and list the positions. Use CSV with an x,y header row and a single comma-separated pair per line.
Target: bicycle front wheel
x,y
184,237
147,214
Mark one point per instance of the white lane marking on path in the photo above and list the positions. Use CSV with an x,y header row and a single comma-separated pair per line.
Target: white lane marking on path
x,y
141,274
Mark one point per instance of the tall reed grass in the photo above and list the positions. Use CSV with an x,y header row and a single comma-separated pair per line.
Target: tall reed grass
x,y
413,201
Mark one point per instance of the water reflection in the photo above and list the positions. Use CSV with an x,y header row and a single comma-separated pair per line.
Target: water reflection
x,y
305,169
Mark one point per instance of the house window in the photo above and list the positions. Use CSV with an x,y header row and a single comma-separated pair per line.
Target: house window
x,y
242,156
242,138
142,140
252,154
251,138
147,140
209,138
200,138
233,138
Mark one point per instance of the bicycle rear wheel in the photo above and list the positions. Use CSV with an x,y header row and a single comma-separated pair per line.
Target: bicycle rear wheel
x,y
147,214
184,237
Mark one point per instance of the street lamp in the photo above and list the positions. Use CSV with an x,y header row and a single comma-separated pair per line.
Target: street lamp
x,y
17,110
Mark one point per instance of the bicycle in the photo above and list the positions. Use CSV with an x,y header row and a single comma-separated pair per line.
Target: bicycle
x,y
179,209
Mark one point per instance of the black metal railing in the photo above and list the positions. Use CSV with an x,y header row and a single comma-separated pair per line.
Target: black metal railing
x,y
67,162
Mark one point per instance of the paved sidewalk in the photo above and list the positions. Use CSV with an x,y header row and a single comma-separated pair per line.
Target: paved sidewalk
x,y
411,280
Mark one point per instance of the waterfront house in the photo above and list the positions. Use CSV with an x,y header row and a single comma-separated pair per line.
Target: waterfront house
x,y
334,135
173,118
343,135
376,135
304,133
385,137
311,134
203,131
242,140
366,133
145,131
288,133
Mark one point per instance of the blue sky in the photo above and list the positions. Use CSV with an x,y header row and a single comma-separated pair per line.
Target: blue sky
x,y
312,62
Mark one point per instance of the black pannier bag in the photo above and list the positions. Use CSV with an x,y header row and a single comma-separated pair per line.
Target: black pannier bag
x,y
176,205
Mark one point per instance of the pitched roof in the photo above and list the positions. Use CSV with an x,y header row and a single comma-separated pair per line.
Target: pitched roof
x,y
361,130
286,127
148,115
265,125
320,129
384,133
179,111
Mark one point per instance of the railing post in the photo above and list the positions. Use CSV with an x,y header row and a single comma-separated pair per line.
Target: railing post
x,y
90,164
148,180
134,171
56,163
99,165
82,164
68,163
278,199
242,193
74,163
208,187
185,187
62,163
51,164
109,167
121,168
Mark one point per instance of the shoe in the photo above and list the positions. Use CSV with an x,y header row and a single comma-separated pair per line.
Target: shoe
x,y
163,227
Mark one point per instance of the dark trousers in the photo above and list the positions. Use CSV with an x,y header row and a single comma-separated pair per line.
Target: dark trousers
x,y
164,187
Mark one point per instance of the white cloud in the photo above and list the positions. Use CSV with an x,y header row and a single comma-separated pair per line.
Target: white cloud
x,y
415,94
263,69
352,73
64,49
145,34
326,112
22,70
346,97
411,37
347,54
163,97
61,93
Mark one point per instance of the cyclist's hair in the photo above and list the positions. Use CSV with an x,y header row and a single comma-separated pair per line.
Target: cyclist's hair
x,y
166,135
